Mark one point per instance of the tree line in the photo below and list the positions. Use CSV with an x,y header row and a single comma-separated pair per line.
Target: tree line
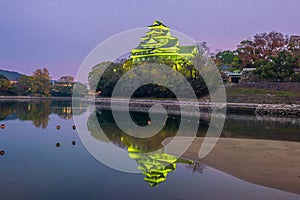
x,y
39,85
104,77
274,56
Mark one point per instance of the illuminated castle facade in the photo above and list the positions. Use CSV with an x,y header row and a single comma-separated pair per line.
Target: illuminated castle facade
x,y
160,45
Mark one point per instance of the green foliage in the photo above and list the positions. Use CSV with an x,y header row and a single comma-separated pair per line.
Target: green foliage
x,y
278,68
295,77
109,78
228,58
69,89
62,90
4,84
42,80
111,75
274,56
79,90
37,85
27,85
96,73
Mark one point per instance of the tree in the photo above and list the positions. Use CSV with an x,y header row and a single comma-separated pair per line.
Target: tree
x,y
27,85
79,90
262,47
42,80
4,83
279,68
96,73
294,44
229,58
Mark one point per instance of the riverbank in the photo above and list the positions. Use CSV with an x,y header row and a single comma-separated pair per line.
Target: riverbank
x,y
29,98
173,107
264,93
269,163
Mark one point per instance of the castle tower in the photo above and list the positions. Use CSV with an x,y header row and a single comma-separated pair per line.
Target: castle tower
x,y
159,45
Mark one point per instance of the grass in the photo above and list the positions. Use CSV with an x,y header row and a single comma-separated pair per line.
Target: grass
x,y
255,95
251,91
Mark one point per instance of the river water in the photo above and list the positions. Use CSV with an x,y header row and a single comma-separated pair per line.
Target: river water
x,y
43,157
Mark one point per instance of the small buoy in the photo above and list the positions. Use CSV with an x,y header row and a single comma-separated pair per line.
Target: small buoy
x,y
2,153
73,127
2,126
73,142
58,127
57,145
149,122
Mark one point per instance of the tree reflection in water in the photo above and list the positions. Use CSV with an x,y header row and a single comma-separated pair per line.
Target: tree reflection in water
x,y
147,152
37,111
196,167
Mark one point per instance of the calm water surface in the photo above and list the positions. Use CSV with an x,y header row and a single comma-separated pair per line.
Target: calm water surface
x,y
39,161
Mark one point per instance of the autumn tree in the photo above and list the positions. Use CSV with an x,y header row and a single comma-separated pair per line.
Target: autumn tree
x,y
294,44
262,47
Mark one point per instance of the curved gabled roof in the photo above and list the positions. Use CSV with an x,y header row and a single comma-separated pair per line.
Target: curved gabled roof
x,y
157,23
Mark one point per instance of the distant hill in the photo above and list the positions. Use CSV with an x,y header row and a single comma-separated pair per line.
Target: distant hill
x,y
11,75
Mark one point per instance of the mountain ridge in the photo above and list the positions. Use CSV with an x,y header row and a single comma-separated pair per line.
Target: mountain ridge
x,y
11,75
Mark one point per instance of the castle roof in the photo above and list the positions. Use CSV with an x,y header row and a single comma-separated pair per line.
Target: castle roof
x,y
157,23
158,41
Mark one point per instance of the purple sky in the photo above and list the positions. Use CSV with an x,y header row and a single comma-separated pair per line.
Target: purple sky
x,y
58,34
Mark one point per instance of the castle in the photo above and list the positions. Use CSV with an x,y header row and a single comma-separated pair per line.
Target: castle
x,y
160,45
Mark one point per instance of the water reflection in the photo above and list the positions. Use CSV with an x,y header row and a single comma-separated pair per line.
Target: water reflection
x,y
196,167
155,166
271,128
26,156
37,111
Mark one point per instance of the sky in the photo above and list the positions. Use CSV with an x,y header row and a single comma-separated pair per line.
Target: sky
x,y
59,34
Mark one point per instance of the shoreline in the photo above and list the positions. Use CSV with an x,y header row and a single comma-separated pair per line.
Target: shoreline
x,y
29,98
268,163
173,106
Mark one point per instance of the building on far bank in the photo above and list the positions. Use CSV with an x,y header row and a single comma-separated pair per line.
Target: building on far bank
x,y
248,75
159,45
233,77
